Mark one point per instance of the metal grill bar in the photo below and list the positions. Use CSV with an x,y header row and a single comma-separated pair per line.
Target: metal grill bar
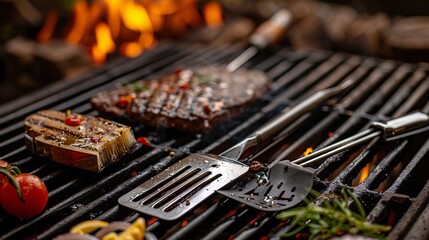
x,y
384,89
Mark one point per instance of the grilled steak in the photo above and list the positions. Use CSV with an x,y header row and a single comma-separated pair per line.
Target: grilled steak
x,y
189,100
76,140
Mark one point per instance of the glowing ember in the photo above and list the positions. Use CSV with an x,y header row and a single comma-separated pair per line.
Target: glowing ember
x,y
152,221
213,14
131,49
308,151
231,213
364,173
184,223
330,134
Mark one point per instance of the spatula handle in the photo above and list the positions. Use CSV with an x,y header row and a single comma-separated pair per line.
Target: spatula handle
x,y
282,121
291,114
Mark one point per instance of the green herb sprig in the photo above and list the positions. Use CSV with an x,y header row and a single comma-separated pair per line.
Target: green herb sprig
x,y
332,218
137,87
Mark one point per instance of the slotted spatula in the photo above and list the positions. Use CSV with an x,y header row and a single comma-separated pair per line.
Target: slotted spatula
x,y
285,183
181,187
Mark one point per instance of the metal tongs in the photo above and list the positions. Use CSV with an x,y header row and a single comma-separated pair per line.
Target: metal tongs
x,y
286,183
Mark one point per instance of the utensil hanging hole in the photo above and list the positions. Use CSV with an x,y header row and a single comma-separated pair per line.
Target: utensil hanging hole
x,y
215,165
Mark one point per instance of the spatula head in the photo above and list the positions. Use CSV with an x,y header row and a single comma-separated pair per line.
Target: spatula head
x,y
183,186
288,184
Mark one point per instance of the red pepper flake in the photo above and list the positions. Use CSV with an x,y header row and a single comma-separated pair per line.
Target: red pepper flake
x,y
185,86
133,173
207,109
123,101
144,141
73,121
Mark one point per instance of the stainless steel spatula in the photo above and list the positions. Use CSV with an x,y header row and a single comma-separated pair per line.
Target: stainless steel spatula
x,y
181,187
284,184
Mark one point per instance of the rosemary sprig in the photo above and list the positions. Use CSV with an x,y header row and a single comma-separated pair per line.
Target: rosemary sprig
x,y
332,217
137,87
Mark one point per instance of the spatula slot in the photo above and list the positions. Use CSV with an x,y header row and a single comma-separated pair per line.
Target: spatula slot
x,y
196,187
268,190
183,186
154,188
173,184
172,195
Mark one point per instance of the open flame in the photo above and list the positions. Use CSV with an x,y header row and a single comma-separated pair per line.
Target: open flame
x,y
364,173
308,151
213,14
128,26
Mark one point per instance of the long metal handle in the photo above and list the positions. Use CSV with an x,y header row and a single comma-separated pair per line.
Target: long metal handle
x,y
266,34
400,127
281,121
291,114
272,30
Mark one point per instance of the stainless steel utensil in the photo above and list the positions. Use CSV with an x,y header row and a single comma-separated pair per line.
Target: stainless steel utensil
x,y
285,183
266,34
181,187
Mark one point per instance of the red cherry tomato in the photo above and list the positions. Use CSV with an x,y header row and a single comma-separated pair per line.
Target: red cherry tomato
x,y
73,121
33,191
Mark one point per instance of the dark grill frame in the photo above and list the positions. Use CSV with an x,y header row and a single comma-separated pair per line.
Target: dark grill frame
x,y
387,89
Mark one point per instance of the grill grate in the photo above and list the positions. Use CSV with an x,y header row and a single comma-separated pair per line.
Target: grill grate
x,y
396,186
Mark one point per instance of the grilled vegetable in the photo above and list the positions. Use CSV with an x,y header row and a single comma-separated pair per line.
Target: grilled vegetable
x,y
188,99
24,195
76,140
331,218
88,226
127,231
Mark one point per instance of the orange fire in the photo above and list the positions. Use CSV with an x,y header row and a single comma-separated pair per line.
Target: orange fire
x,y
308,151
364,173
48,28
104,43
80,12
131,26
213,14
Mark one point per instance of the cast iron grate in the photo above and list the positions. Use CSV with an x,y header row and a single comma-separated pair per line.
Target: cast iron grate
x,y
395,191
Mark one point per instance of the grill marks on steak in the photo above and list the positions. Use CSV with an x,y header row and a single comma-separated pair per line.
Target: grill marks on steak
x,y
189,100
